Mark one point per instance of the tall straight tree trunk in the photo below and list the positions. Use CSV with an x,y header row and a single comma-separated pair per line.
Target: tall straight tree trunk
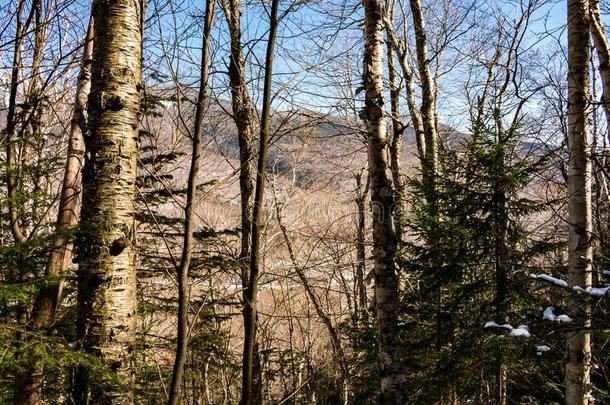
x,y
33,93
600,40
189,215
580,255
360,289
22,381
430,163
417,123
243,116
28,386
392,378
428,98
106,324
501,266
397,130
250,293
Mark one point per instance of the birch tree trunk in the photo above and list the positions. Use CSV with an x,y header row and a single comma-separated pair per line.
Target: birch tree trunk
x,y
402,52
600,40
397,130
392,378
189,217
106,324
578,342
28,386
428,98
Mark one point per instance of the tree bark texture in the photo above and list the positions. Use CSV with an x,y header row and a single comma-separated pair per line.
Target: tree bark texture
x,y
395,145
392,378
106,324
578,342
402,52
428,100
243,116
600,40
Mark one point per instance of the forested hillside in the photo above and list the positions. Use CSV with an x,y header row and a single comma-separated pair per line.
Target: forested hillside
x,y
304,202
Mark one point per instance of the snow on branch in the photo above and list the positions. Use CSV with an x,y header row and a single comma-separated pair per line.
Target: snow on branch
x,y
553,280
492,324
520,331
549,315
593,291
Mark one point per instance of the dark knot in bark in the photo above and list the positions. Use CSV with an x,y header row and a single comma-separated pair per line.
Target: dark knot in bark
x,y
117,247
111,102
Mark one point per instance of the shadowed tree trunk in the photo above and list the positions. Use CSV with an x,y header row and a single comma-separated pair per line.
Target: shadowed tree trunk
x,y
28,386
392,378
360,293
500,259
430,171
580,256
106,324
189,217
243,116
501,220
250,293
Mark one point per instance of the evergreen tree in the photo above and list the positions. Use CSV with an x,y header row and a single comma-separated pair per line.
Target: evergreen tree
x,y
477,266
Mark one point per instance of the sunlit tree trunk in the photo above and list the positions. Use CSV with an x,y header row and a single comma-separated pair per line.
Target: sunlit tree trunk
x,y
106,323
600,40
578,342
243,116
392,378
428,99
401,49
397,131
28,386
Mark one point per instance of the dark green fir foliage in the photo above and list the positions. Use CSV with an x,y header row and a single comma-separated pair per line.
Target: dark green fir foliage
x,y
467,264
23,263
360,335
